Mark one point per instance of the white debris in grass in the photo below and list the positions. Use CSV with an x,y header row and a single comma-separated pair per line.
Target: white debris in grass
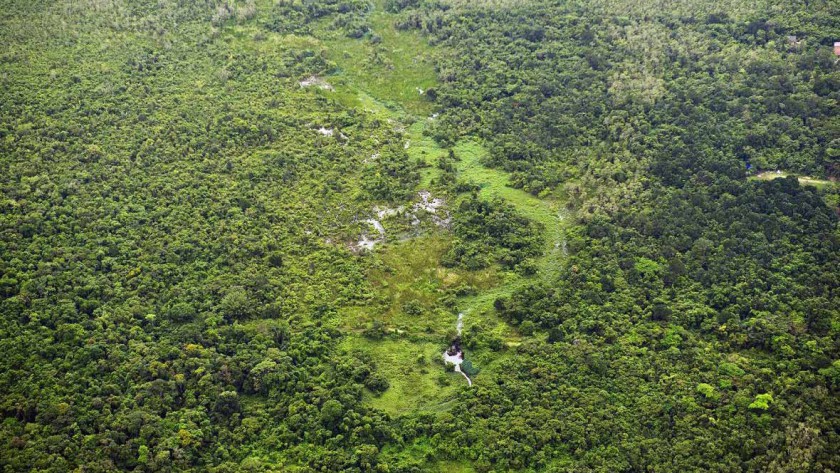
x,y
398,127
387,211
367,242
454,355
431,205
455,359
377,225
427,205
315,81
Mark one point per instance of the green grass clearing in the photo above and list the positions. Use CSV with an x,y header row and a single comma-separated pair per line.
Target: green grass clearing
x,y
494,183
410,287
803,180
409,284
418,381
393,70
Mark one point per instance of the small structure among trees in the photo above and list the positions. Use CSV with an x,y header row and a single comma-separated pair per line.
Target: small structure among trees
x,y
454,353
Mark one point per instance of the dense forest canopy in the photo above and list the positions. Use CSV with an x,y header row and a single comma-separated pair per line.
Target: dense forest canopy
x,y
238,235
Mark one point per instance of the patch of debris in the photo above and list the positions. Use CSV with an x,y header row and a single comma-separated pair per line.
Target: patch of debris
x,y
367,242
388,212
398,127
364,244
330,132
431,205
315,81
377,225
455,355
428,205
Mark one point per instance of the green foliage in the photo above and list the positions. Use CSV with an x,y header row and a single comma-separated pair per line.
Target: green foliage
x,y
762,402
708,391
349,16
143,455
174,230
178,290
331,412
468,368
391,177
377,383
731,369
481,225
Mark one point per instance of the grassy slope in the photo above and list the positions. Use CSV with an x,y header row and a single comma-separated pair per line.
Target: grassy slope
x,y
391,71
382,79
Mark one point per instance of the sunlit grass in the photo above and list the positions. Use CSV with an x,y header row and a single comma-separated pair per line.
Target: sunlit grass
x,y
394,68
803,180
495,183
408,273
414,369
411,316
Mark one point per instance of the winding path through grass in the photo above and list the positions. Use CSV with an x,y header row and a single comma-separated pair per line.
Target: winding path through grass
x,y
494,183
383,79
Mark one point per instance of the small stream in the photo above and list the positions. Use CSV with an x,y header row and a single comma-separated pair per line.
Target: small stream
x,y
455,355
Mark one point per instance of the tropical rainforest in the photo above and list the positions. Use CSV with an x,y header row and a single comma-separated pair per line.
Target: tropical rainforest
x,y
239,235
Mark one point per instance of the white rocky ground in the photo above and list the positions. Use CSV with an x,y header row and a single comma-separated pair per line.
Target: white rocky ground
x,y
428,204
315,81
